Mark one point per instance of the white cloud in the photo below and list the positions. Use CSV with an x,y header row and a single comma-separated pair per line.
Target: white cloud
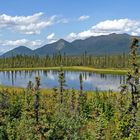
x,y
63,20
29,24
23,42
83,18
51,38
11,44
72,36
107,27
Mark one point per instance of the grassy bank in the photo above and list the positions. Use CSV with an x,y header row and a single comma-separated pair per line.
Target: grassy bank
x,y
50,91
73,68
90,93
20,89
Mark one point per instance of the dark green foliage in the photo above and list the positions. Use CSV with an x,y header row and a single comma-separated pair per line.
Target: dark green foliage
x,y
61,83
81,98
73,100
105,61
36,104
129,121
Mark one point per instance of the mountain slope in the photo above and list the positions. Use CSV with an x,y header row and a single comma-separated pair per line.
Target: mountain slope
x,y
21,50
61,46
105,44
100,45
97,45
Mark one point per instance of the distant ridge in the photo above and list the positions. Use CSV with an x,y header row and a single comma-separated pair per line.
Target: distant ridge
x,y
21,50
97,45
56,47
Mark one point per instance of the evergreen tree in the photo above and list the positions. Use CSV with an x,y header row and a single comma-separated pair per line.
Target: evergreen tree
x,y
36,104
61,83
130,129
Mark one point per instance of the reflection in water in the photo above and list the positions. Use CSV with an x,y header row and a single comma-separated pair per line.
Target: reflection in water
x,y
49,79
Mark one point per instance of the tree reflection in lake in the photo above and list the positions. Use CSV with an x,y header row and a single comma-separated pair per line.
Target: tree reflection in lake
x,y
49,79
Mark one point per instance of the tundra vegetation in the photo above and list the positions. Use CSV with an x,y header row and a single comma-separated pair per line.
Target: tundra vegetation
x,y
62,114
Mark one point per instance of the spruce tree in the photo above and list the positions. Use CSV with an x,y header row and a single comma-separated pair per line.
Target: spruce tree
x,y
36,104
61,83
80,99
131,130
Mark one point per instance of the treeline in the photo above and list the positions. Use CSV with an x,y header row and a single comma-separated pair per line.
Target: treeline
x,y
114,61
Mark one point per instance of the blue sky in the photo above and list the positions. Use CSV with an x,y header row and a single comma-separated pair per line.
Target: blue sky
x,y
34,23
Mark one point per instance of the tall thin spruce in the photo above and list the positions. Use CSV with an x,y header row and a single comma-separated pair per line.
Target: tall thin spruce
x,y
61,83
41,130
133,81
36,104
73,100
81,84
81,93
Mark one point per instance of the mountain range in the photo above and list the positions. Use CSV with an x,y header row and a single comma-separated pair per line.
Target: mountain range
x,y
96,45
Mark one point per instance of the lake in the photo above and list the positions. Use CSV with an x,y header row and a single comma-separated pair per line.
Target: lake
x,y
49,79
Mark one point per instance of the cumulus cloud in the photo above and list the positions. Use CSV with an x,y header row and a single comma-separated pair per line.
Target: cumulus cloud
x,y
72,36
63,20
11,44
83,18
7,45
29,24
51,38
23,42
107,27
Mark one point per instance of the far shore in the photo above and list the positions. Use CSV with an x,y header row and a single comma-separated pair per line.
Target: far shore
x,y
73,68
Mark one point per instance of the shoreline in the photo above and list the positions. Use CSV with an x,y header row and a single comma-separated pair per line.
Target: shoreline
x,y
73,68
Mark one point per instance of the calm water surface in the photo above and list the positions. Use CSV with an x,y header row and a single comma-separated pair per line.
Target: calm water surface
x,y
49,79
